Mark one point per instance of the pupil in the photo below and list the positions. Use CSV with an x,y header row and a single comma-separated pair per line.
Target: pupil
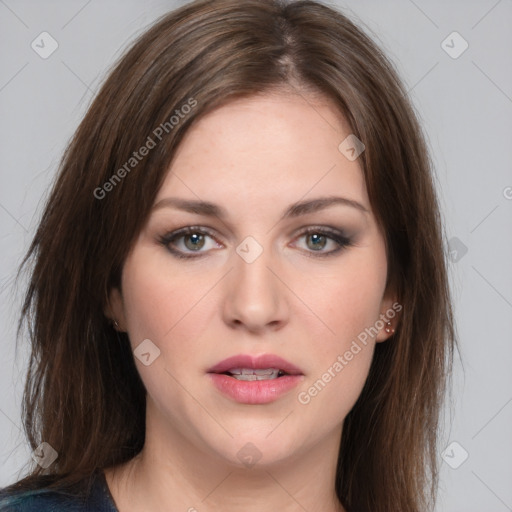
x,y
197,238
318,238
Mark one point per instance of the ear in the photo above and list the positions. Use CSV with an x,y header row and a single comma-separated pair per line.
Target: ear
x,y
115,309
389,312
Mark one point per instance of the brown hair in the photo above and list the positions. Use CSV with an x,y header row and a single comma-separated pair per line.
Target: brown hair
x,y
83,394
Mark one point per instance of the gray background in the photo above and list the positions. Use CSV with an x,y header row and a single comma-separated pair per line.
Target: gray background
x,y
465,104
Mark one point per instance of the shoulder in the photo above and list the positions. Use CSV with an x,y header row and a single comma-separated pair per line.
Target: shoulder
x,y
51,500
40,500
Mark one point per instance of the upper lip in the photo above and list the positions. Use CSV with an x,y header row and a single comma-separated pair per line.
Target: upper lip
x,y
255,362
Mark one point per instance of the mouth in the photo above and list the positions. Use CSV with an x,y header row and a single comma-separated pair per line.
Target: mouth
x,y
255,379
262,367
255,374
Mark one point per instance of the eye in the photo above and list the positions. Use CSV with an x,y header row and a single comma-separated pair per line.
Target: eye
x,y
319,238
189,240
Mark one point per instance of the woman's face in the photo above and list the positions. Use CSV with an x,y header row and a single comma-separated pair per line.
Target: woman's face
x,y
252,282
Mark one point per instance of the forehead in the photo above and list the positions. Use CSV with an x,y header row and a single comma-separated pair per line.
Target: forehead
x,y
266,150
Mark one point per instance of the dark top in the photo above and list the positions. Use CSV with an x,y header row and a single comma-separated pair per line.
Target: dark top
x,y
98,499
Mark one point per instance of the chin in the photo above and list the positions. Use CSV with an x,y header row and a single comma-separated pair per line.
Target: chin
x,y
261,449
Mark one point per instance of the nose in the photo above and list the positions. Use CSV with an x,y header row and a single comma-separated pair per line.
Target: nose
x,y
256,298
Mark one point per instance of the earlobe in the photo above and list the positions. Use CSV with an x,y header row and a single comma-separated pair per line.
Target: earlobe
x,y
387,331
115,310
388,319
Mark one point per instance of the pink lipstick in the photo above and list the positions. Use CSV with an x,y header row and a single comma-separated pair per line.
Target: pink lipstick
x,y
255,379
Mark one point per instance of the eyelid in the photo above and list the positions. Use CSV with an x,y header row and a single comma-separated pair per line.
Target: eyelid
x,y
187,230
323,228
336,235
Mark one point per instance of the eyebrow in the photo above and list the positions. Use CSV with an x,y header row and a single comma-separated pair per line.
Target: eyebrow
x,y
294,210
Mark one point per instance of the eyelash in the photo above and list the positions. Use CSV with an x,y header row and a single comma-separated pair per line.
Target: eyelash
x,y
334,235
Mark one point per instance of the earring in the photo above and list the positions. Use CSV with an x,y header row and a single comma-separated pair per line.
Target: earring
x,y
116,325
389,329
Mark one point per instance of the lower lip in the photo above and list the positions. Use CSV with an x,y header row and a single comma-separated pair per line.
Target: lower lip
x,y
255,391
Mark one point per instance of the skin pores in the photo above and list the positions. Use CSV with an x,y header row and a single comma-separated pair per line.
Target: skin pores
x,y
254,158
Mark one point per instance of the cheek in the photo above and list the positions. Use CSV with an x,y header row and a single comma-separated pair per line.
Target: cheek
x,y
171,309
332,391
156,305
346,299
165,311
347,306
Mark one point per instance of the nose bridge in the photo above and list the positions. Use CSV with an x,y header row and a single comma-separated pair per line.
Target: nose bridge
x,y
255,296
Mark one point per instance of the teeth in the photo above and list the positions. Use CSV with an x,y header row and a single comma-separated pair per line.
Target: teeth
x,y
253,371
254,374
256,377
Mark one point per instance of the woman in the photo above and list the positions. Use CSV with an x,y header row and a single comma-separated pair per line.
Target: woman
x,y
239,296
